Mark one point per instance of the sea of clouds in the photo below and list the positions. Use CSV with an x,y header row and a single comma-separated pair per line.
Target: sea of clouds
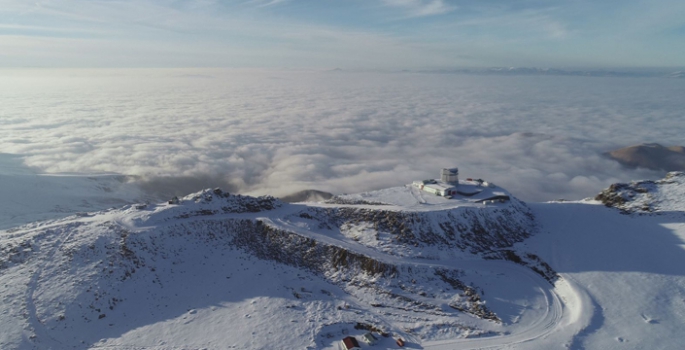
x,y
277,132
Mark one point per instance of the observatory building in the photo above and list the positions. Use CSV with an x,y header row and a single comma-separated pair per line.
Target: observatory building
x,y
450,176
446,187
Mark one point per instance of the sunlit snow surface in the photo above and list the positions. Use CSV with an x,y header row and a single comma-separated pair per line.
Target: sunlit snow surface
x,y
622,283
630,269
28,195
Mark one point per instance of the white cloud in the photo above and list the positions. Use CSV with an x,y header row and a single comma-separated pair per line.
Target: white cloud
x,y
420,8
277,132
270,3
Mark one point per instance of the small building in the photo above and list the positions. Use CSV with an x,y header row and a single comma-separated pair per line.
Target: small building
x,y
400,342
445,187
440,189
350,343
368,338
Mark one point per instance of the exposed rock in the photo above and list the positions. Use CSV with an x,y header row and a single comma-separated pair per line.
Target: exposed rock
x,y
647,196
210,202
469,229
347,201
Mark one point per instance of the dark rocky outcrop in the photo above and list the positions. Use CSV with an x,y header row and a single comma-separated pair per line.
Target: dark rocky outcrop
x,y
646,196
216,201
470,229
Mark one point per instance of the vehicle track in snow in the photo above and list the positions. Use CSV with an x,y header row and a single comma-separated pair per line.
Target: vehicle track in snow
x,y
564,303
555,316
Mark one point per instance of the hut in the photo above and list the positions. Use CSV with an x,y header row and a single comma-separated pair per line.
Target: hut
x,y
350,343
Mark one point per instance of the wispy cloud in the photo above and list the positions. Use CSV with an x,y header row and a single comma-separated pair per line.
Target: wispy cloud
x,y
402,33
271,2
420,8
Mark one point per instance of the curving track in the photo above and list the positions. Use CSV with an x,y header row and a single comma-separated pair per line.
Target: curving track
x,y
567,308
563,309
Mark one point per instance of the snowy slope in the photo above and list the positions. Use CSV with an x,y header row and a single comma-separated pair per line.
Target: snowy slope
x,y
222,271
631,270
190,275
28,196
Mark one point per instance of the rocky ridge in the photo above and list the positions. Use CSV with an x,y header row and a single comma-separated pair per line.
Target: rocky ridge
x,y
647,196
98,257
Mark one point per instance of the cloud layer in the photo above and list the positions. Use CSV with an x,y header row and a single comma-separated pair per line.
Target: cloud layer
x,y
278,132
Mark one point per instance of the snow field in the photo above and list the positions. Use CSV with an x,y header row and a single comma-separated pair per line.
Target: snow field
x,y
629,271
167,276
163,276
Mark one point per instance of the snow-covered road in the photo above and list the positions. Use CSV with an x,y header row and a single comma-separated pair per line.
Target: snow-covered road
x,y
567,308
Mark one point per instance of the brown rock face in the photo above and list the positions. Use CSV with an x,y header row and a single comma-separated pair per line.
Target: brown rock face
x,y
652,156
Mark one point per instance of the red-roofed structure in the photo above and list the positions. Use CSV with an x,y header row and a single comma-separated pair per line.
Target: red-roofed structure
x,y
350,343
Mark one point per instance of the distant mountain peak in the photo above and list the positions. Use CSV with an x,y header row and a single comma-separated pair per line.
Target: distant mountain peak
x,y
651,156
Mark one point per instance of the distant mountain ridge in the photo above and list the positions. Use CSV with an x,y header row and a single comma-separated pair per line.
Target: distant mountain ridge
x,y
651,156
636,73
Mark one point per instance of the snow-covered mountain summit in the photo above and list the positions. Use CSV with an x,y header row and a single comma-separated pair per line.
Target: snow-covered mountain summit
x,y
124,277
214,270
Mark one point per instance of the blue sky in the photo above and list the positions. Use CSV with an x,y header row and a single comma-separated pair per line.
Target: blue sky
x,y
371,34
